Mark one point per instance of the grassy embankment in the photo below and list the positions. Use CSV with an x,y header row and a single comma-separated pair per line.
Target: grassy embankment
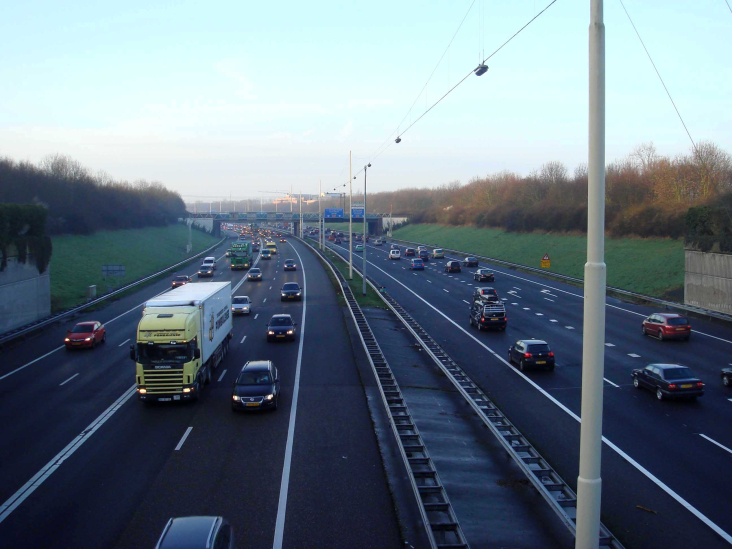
x,y
650,266
77,259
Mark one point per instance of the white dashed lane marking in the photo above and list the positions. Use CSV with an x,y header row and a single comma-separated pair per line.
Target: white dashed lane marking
x,y
185,436
569,327
610,382
125,341
466,302
223,373
242,339
539,314
552,320
427,281
634,355
526,309
255,316
549,299
444,290
609,345
65,382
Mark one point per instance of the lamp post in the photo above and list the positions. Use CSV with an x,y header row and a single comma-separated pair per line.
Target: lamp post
x,y
350,220
589,481
365,228
320,223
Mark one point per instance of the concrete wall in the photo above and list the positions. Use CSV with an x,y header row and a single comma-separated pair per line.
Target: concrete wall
x,y
708,281
25,296
205,224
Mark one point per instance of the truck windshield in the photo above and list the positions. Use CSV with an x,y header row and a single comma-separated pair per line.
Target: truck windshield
x,y
163,353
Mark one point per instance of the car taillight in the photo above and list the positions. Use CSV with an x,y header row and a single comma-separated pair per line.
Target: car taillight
x,y
482,319
672,386
700,384
551,353
688,327
527,355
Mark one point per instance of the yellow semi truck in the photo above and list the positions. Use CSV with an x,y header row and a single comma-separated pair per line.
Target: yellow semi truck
x,y
182,337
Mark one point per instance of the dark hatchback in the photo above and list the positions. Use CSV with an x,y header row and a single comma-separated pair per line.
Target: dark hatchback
x,y
453,267
409,252
281,327
424,255
206,271
528,353
291,291
485,294
190,532
470,262
256,387
290,265
668,381
484,275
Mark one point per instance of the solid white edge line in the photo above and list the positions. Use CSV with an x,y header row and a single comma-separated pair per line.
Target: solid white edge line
x,y
65,382
715,442
32,362
693,510
222,375
185,436
29,487
125,341
285,484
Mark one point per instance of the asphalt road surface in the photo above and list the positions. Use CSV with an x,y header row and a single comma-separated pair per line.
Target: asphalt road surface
x,y
665,464
87,465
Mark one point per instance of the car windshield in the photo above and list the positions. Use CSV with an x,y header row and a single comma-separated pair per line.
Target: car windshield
x,y
160,353
677,373
181,278
254,378
678,321
289,262
82,329
254,271
280,321
240,300
539,348
291,286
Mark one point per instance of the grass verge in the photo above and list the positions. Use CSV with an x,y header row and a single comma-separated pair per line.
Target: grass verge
x,y
650,266
356,285
77,259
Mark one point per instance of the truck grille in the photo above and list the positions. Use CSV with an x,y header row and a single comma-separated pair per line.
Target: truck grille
x,y
168,381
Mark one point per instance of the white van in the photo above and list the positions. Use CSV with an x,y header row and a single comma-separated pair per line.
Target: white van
x,y
395,254
209,262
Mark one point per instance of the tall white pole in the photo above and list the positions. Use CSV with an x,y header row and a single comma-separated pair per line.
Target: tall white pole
x,y
290,197
589,482
350,220
300,201
320,222
365,231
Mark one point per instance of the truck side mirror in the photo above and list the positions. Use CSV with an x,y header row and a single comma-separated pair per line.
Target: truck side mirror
x,y
132,353
196,353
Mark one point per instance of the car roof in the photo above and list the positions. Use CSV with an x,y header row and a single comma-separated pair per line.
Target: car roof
x,y
670,315
241,296
533,341
668,366
209,257
486,288
87,322
282,316
188,532
256,365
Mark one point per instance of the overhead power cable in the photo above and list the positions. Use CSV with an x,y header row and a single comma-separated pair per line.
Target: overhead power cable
x,y
659,76
388,139
728,6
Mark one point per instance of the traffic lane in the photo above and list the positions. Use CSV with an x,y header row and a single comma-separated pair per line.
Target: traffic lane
x,y
496,381
52,337
104,374
335,451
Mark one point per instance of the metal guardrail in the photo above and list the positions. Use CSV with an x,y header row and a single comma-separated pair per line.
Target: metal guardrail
x,y
438,516
561,498
626,293
29,328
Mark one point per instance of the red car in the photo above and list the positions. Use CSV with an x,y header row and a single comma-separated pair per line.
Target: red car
x,y
667,326
181,280
86,334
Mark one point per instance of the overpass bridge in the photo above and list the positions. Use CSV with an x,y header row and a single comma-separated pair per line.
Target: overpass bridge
x,y
374,220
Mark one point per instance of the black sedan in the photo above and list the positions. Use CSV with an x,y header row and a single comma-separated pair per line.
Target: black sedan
x,y
291,291
257,387
470,262
727,377
452,267
254,273
281,327
484,275
668,381
290,265
531,353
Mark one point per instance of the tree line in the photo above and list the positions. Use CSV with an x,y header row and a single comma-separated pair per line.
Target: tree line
x,y
646,194
81,202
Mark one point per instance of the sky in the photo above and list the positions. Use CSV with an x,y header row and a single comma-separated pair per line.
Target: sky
x,y
231,98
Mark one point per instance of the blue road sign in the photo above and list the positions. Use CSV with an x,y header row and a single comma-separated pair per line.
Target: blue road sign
x,y
357,213
333,212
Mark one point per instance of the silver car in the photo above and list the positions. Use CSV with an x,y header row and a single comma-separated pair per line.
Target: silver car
x,y
240,305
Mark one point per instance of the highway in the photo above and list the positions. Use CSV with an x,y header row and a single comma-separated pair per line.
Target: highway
x,y
87,465
665,481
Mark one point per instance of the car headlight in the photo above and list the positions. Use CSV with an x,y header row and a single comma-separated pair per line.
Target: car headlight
x,y
268,397
289,332
237,398
88,339
270,332
67,339
298,293
283,294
